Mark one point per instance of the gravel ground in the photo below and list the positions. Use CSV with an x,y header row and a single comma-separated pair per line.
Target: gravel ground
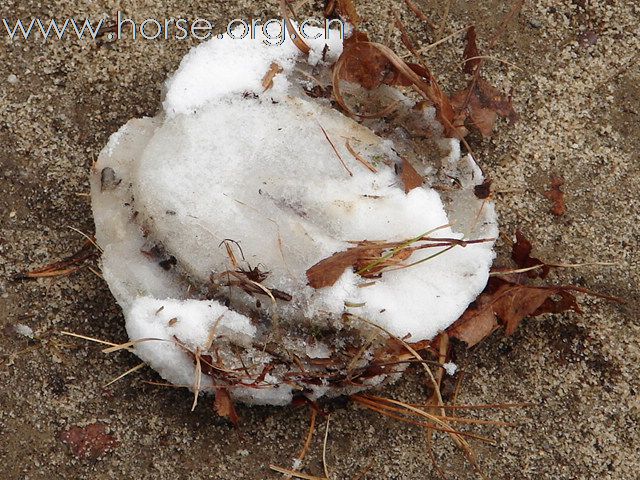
x,y
576,84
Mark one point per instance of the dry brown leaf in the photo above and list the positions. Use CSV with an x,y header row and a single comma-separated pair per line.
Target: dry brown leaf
x,y
410,177
267,80
225,407
508,303
364,64
471,53
482,103
327,272
91,441
556,195
372,64
483,190
347,8
521,254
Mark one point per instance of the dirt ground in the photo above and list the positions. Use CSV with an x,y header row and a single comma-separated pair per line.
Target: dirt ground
x,y
573,68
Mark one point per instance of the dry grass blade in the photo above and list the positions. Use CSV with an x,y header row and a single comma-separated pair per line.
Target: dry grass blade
x,y
496,59
496,273
131,370
442,40
197,381
90,238
132,343
360,158
324,450
420,14
336,151
378,405
91,339
307,442
295,474
457,437
399,248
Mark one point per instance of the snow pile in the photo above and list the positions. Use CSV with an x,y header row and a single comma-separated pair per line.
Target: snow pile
x,y
211,214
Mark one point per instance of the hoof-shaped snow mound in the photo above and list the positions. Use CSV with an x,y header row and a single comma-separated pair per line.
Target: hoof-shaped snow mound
x,y
211,214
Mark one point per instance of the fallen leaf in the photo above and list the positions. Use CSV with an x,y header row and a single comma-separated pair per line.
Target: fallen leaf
x,y
267,80
471,53
410,177
482,103
225,407
508,303
556,195
521,254
365,64
347,9
370,65
91,441
483,190
327,271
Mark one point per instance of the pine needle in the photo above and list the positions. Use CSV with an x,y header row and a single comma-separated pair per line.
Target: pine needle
x,y
131,370
91,339
132,343
324,450
295,473
90,239
307,443
197,380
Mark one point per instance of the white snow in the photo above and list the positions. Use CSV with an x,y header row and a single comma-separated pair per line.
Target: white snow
x,y
228,161
450,367
24,330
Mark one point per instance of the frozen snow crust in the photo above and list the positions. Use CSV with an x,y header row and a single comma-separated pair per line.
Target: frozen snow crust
x,y
233,184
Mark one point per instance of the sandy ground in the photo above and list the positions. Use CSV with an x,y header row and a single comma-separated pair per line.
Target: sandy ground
x,y
576,83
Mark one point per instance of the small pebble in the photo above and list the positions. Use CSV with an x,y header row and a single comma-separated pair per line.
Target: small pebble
x,y
12,79
535,23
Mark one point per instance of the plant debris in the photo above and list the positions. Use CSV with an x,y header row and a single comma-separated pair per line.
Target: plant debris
x,y
63,267
556,195
521,254
224,406
91,441
410,177
507,303
480,103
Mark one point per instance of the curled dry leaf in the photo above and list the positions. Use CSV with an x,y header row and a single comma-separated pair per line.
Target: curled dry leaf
x,y
225,407
327,271
344,8
483,190
556,195
507,303
521,254
471,53
371,64
91,441
480,103
267,80
410,177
